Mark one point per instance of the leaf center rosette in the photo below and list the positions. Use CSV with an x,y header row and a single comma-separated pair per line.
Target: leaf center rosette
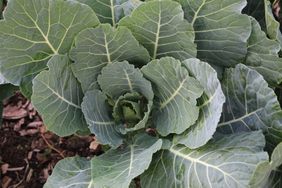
x,y
122,105
130,109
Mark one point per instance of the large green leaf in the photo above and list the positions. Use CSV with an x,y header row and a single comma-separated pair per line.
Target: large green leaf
x,y
127,79
176,95
95,48
261,10
57,97
267,173
160,27
225,162
35,30
210,104
2,79
98,116
73,172
116,168
263,55
26,85
220,28
111,11
275,179
251,105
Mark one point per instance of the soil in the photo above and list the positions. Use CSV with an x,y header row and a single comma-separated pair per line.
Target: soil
x,y
28,152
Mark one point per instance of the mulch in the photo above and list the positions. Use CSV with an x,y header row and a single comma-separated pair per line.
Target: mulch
x,y
28,152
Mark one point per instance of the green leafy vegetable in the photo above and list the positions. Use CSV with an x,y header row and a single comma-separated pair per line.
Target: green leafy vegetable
x,y
33,31
221,30
112,111
114,169
72,172
261,10
57,97
160,27
250,105
181,92
228,162
95,48
210,105
176,94
263,55
111,11
267,173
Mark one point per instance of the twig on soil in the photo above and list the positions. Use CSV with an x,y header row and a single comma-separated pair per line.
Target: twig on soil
x,y
52,147
16,169
22,180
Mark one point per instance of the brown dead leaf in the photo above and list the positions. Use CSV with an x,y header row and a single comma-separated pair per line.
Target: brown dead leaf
x,y
35,124
276,8
28,132
45,173
14,112
4,168
6,181
19,124
94,145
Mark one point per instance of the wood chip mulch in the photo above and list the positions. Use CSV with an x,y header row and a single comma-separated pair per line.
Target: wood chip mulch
x,y
28,152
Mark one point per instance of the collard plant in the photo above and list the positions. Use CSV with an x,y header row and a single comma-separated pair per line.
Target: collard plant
x,y
181,91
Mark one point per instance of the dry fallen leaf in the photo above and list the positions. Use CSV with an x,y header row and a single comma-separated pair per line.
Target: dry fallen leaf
x,y
4,168
14,112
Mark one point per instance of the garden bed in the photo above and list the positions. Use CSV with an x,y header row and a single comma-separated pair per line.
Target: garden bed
x,y
28,152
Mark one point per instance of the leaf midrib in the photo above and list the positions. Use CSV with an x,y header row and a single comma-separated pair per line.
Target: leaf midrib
x,y
196,160
41,32
239,118
175,93
58,95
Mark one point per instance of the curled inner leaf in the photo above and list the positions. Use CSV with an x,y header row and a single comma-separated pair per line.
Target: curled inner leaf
x,y
130,109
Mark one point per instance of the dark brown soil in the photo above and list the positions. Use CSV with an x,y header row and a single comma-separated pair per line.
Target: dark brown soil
x,y
28,152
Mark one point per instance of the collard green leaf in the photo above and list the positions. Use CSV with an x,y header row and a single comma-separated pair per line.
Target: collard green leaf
x,y
127,79
221,30
272,25
98,116
124,76
2,79
275,179
261,10
160,27
34,30
210,104
95,48
26,85
111,11
263,55
267,173
251,105
176,95
276,157
225,162
57,97
72,172
117,167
